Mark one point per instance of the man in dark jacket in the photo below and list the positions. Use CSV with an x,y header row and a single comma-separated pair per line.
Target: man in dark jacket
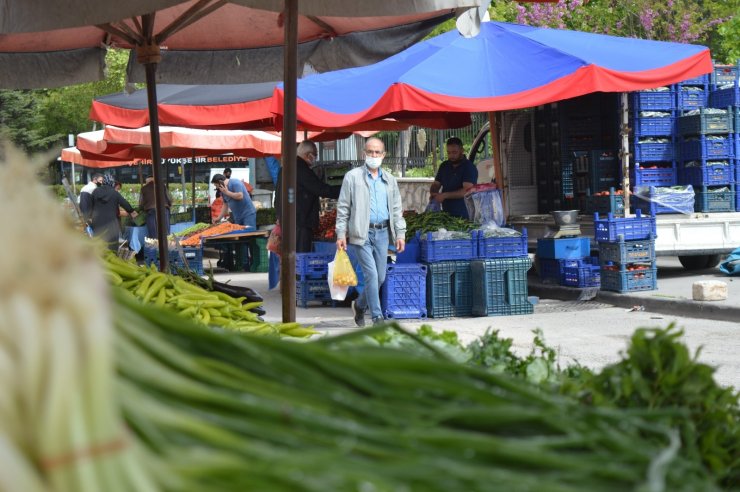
x,y
147,204
309,189
104,212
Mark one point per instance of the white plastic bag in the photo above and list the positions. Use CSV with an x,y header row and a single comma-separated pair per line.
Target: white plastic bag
x,y
338,292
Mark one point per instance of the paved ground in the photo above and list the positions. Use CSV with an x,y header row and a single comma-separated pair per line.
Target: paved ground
x,y
592,332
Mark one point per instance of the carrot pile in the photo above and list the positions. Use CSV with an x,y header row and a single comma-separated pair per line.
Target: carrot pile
x,y
214,230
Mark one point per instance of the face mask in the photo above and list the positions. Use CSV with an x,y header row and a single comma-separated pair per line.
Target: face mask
x,y
373,162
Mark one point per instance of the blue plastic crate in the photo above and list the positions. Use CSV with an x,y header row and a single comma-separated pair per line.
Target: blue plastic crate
x,y
613,203
582,276
412,252
550,270
563,248
404,293
449,290
724,74
709,174
610,229
724,98
706,123
194,257
500,286
629,281
312,290
654,176
700,80
654,100
434,250
720,147
313,265
654,151
687,100
646,126
501,247
663,200
325,247
623,252
715,200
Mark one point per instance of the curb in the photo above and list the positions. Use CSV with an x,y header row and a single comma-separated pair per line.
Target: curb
x,y
678,307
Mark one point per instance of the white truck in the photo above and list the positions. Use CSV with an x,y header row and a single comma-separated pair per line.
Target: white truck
x,y
699,240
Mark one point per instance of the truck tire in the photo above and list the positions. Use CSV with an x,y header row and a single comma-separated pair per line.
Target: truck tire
x,y
697,262
713,261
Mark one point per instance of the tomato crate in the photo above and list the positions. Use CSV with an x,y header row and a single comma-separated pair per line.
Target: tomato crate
x,y
710,173
654,176
501,247
724,75
582,276
724,98
312,265
656,126
654,151
404,292
706,123
654,200
613,203
654,100
449,291
312,290
194,257
610,229
703,147
629,280
500,286
690,98
434,250
624,252
717,199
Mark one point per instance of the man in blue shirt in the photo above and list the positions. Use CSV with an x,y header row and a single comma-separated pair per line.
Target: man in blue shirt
x,y
236,198
454,178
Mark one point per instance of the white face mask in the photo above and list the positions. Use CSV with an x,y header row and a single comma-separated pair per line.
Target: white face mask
x,y
373,162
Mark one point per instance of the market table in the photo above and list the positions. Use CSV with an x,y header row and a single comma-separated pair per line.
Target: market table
x,y
234,246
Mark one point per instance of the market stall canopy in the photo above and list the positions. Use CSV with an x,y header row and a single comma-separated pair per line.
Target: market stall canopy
x,y
50,43
73,155
507,66
226,106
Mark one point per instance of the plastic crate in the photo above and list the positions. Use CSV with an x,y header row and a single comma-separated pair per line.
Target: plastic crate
x,y
449,290
312,290
624,252
501,247
700,80
724,98
707,148
687,100
404,294
612,203
724,74
500,286
194,257
259,260
705,123
411,253
610,229
654,100
709,174
550,270
713,200
654,176
582,276
654,151
629,281
563,248
313,265
659,200
653,126
434,250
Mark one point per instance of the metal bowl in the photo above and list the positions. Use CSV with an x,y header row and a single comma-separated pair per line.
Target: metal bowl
x,y
565,217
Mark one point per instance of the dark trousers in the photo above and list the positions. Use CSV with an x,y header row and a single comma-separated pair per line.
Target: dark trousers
x,y
303,240
151,223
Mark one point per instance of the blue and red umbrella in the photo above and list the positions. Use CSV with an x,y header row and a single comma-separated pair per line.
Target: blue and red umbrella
x,y
507,66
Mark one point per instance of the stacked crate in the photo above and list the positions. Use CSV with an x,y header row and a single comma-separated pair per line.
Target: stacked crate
x,y
653,121
193,257
499,275
566,261
626,252
448,285
725,94
552,175
403,295
312,278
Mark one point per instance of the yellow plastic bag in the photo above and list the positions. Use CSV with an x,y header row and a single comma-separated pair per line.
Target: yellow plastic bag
x,y
344,273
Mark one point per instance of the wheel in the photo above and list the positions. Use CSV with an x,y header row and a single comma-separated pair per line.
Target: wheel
x,y
697,262
713,261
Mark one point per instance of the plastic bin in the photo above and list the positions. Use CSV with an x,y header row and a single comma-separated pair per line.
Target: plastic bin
x,y
715,200
563,248
654,151
434,250
501,247
687,100
194,257
710,174
705,123
700,80
654,176
629,281
586,275
412,252
449,290
610,228
623,252
258,250
550,270
664,200
312,265
707,148
404,291
724,74
312,290
654,100
605,204
653,126
500,286
723,98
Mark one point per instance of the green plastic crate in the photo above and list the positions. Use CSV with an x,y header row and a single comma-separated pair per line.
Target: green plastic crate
x,y
258,250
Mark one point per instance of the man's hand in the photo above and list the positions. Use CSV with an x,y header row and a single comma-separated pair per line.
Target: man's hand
x,y
400,245
342,243
134,214
439,197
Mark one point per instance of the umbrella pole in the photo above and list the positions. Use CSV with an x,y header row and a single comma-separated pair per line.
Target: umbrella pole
x,y
625,153
149,56
192,177
496,152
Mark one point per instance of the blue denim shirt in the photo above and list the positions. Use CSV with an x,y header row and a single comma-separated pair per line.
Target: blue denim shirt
x,y
378,197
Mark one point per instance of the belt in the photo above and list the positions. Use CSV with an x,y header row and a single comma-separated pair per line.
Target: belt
x,y
381,225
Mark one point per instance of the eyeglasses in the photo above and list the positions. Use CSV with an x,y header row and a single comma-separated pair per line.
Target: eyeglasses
x,y
374,152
